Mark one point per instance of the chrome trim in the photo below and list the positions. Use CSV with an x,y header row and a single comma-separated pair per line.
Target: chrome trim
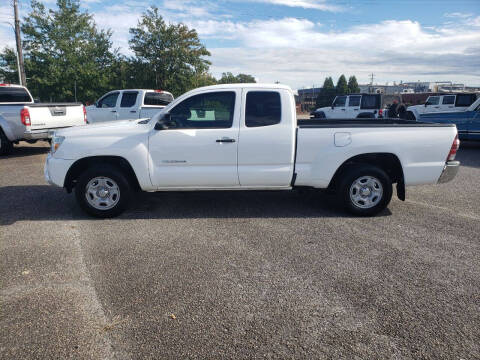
x,y
450,170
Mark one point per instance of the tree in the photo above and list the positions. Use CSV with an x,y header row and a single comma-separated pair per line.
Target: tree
x,y
342,87
171,55
8,66
64,50
229,78
353,87
327,94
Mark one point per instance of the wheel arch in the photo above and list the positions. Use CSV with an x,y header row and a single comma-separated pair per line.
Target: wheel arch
x,y
388,162
82,164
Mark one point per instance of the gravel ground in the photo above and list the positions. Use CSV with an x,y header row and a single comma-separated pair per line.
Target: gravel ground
x,y
238,274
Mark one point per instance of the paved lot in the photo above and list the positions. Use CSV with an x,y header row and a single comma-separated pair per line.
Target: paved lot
x,y
238,275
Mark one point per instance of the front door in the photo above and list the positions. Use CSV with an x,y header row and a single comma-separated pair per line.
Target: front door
x,y
199,147
339,108
105,109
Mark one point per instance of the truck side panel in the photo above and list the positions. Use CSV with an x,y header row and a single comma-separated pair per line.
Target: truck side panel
x,y
422,151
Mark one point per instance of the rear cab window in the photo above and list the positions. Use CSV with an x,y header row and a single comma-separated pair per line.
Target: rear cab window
x,y
13,94
157,98
263,108
465,100
370,102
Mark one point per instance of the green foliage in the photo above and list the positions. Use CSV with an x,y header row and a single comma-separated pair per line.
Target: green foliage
x,y
327,94
63,46
342,87
229,78
353,87
172,53
8,66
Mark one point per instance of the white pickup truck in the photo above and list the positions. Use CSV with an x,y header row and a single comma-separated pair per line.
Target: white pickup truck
x,y
247,137
128,104
441,103
21,119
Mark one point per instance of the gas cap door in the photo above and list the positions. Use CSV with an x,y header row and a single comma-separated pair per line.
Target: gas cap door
x,y
342,139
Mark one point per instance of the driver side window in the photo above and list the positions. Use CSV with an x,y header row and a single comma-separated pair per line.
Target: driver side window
x,y
211,110
108,101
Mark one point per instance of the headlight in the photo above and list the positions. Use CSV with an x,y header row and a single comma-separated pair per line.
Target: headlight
x,y
56,142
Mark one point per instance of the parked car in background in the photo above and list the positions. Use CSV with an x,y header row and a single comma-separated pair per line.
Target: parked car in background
x,y
128,104
351,107
247,137
21,119
441,103
467,121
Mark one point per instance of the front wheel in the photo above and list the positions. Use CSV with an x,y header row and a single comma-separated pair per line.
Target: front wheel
x,y
103,192
365,190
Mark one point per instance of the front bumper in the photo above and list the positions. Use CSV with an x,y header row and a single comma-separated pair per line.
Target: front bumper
x,y
55,170
450,170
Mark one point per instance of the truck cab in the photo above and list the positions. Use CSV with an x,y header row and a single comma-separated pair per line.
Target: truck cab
x,y
128,104
352,106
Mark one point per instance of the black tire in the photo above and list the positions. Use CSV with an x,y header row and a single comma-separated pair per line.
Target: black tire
x,y
111,173
410,116
361,171
6,146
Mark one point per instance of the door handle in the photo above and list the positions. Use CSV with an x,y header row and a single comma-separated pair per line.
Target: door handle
x,y
113,110
225,140
133,111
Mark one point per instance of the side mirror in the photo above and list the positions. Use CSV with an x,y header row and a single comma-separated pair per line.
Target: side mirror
x,y
426,104
96,104
162,124
36,101
333,107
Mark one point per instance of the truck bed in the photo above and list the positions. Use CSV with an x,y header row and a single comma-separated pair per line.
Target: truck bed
x,y
365,123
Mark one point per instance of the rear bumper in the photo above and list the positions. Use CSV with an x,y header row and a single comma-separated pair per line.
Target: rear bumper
x,y
36,135
450,170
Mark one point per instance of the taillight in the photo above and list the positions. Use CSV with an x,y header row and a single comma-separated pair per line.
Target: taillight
x,y
85,115
380,113
453,149
25,117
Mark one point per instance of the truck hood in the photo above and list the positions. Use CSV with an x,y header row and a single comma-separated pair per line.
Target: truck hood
x,y
104,128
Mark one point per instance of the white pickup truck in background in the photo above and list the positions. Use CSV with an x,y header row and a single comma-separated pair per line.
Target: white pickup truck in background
x,y
21,119
441,103
128,104
247,137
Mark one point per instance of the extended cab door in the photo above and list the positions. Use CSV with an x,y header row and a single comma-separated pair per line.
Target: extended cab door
x,y
129,104
198,147
266,146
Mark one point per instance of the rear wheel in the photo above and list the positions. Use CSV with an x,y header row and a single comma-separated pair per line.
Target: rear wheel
x,y
103,191
365,190
6,145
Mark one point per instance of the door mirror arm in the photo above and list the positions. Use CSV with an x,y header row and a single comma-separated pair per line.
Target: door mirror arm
x,y
162,124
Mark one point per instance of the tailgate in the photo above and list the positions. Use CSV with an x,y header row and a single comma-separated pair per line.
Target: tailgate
x,y
51,116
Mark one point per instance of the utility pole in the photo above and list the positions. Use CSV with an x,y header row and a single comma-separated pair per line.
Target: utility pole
x,y
23,80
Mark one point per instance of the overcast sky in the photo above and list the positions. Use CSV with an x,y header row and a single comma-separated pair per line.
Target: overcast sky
x,y
300,42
